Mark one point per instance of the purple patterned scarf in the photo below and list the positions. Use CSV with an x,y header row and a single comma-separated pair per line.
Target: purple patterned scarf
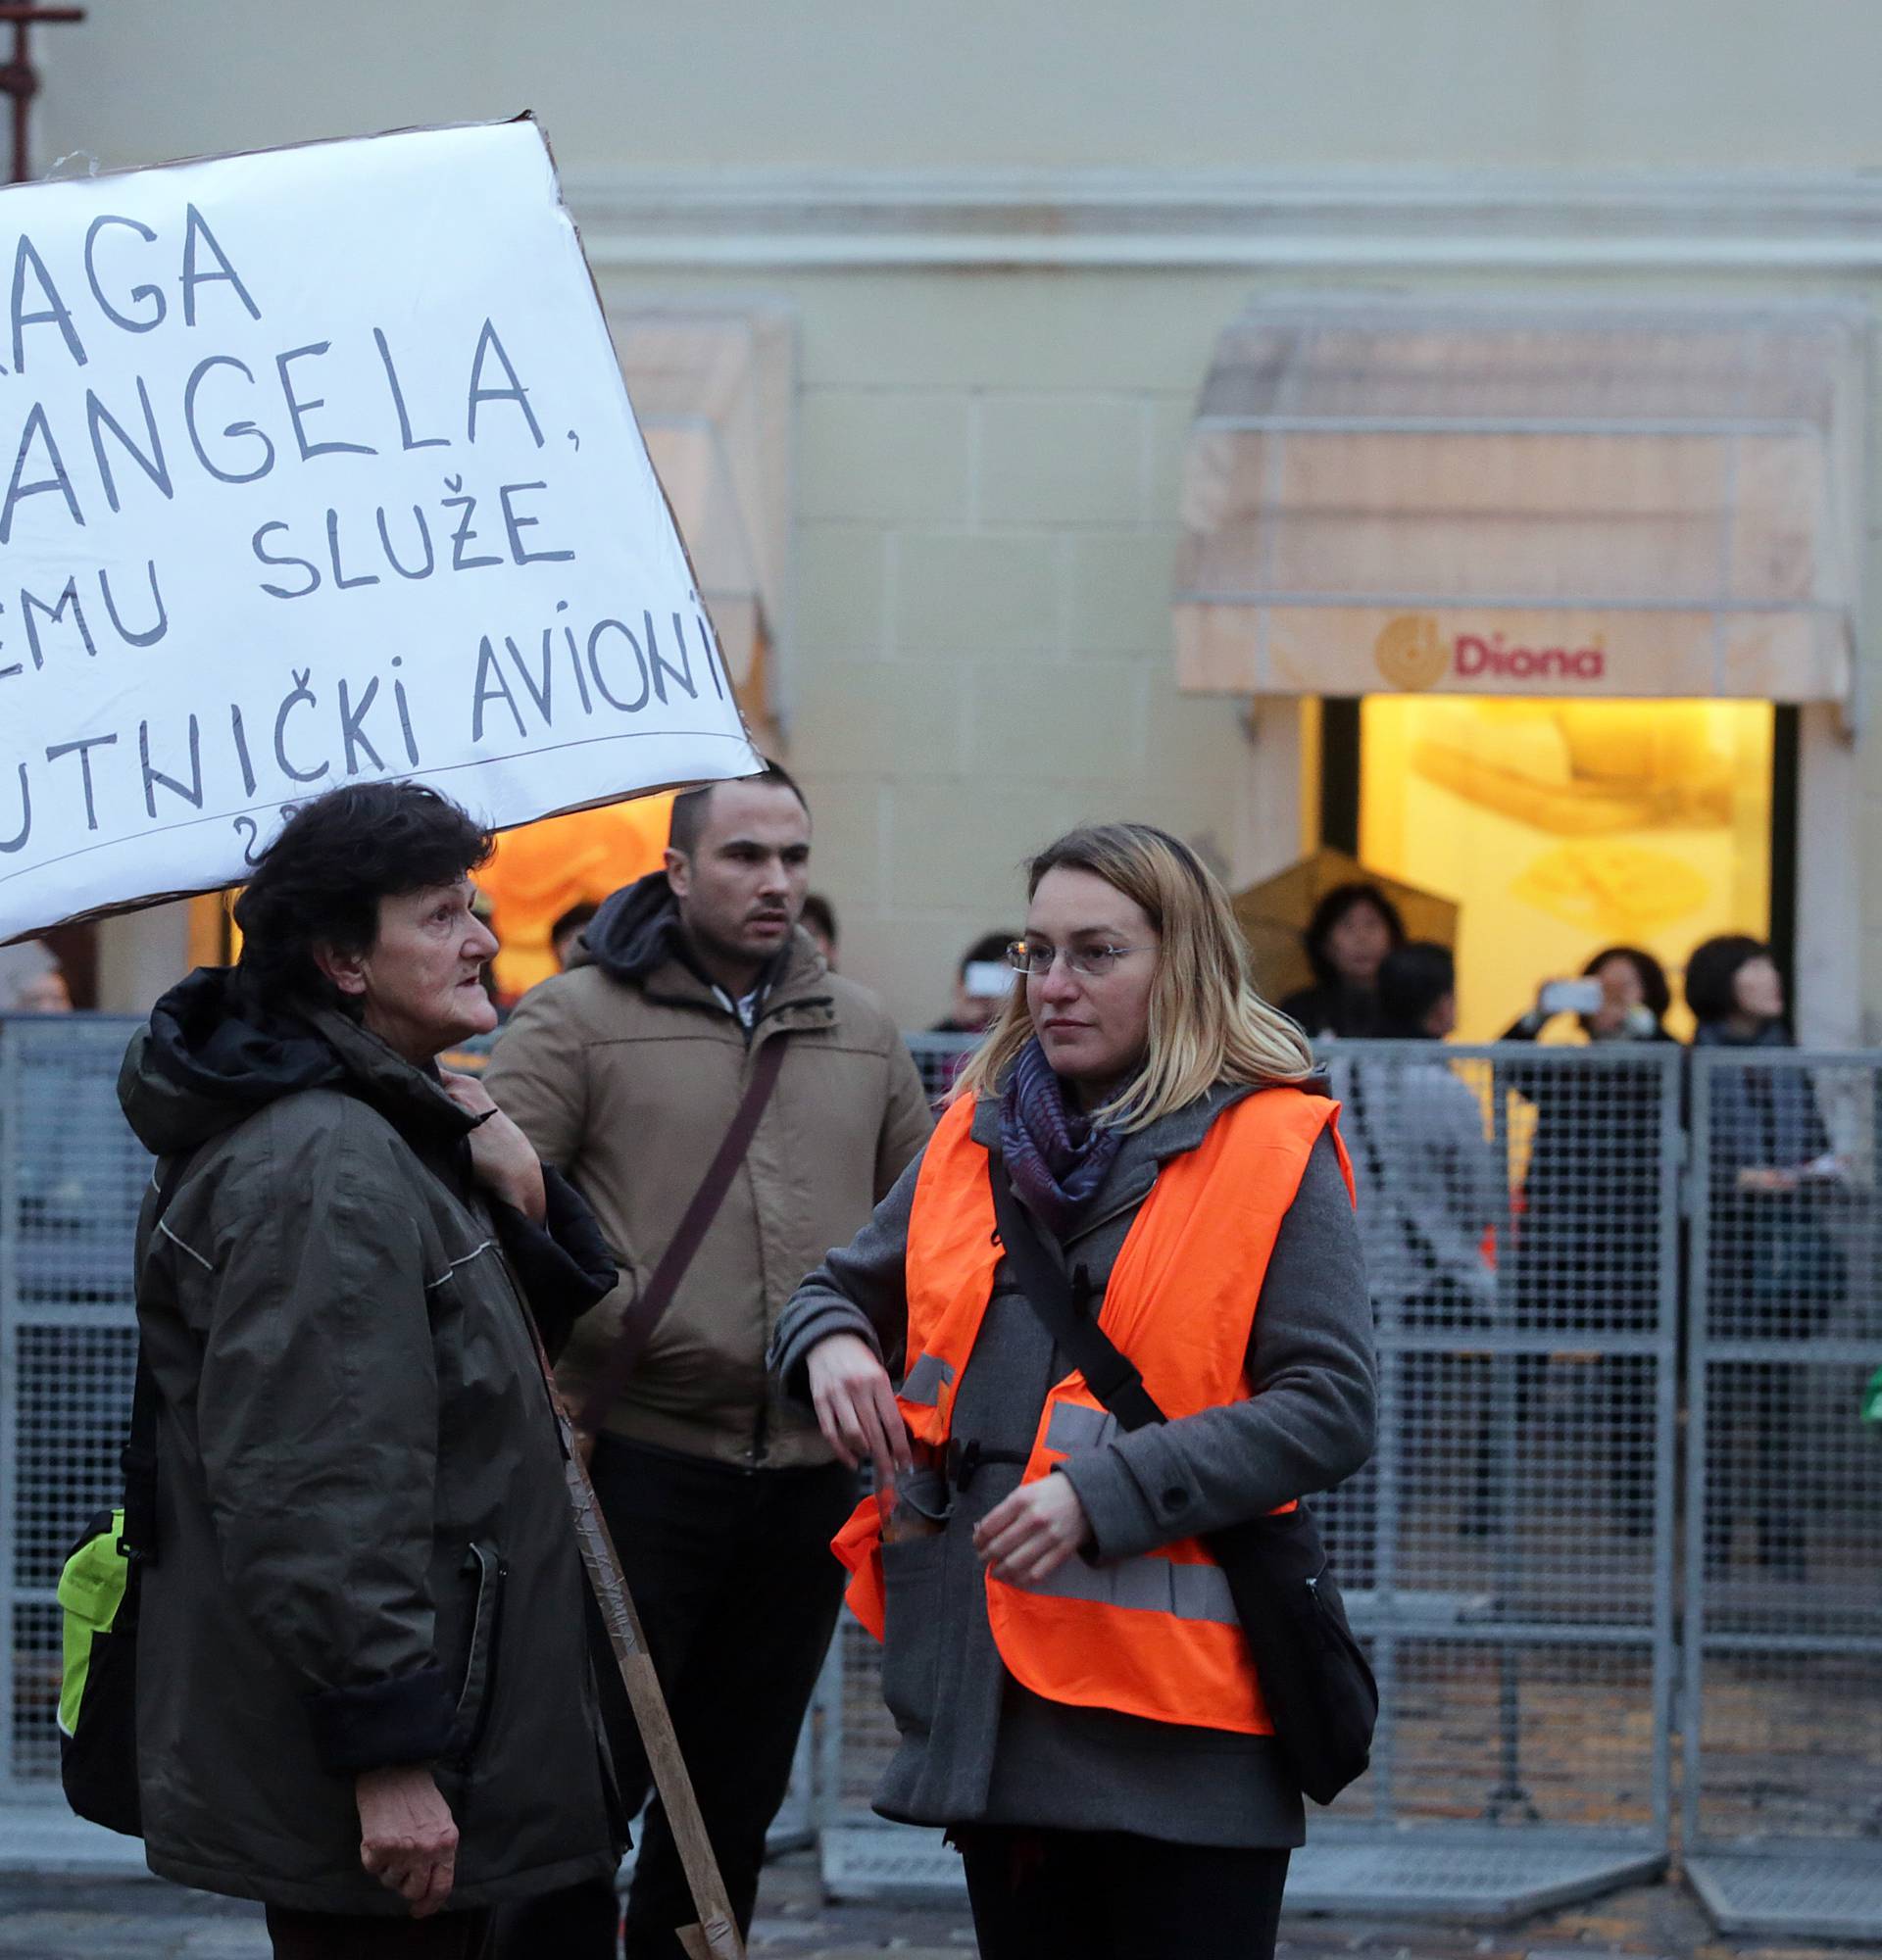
x,y
1056,1160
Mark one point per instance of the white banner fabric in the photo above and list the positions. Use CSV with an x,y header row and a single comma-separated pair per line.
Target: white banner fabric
x,y
317,466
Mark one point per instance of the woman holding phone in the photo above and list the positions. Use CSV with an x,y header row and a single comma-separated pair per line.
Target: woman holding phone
x,y
1074,1692
1589,1236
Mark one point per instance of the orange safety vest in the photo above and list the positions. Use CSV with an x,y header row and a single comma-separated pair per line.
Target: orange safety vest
x,y
1154,1636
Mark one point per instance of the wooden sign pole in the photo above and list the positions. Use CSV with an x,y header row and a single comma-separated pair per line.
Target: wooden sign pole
x,y
715,1937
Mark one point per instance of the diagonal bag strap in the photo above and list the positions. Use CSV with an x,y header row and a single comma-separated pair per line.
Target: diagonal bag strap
x,y
643,1313
1066,1311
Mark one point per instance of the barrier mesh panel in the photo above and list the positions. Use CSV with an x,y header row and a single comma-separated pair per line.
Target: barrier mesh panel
x,y
1783,1598
1508,1549
939,1058
71,1176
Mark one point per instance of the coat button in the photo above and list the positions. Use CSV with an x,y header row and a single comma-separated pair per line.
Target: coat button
x,y
1175,1497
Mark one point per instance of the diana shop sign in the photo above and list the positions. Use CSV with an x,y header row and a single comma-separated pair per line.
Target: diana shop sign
x,y
318,466
1413,654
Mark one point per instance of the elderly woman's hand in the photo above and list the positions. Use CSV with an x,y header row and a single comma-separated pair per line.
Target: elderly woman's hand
x,y
1029,1536
854,1403
408,1837
500,1154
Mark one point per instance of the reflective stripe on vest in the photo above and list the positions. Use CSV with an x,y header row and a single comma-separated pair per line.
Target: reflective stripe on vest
x,y
1147,1584
926,1378
1154,1636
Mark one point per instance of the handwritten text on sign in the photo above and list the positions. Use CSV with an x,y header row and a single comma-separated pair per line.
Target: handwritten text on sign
x,y
317,466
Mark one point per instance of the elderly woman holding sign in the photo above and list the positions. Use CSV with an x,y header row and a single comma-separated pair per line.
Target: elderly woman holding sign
x,y
364,1694
1136,1148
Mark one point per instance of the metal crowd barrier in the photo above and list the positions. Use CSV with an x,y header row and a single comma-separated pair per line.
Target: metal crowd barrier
x,y
1540,1609
1782,1579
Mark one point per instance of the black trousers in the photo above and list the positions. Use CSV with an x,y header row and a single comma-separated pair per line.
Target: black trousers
x,y
1112,1896
358,1935
738,1593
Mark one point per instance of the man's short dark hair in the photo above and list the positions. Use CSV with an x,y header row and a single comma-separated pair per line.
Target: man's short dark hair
x,y
321,879
1413,979
689,808
1712,974
818,915
990,945
573,919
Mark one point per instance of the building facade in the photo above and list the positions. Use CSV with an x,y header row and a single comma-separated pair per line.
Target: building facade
x,y
983,264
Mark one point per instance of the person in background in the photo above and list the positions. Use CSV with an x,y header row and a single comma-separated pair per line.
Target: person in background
x,y
818,920
1632,1002
1590,1236
1431,1192
629,1072
981,983
1772,1270
55,1167
363,1692
32,981
1110,1774
565,936
1353,929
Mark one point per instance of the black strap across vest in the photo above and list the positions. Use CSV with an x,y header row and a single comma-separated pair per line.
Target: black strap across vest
x,y
1063,1304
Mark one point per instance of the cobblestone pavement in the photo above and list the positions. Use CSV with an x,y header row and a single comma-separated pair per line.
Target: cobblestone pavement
x,y
75,1919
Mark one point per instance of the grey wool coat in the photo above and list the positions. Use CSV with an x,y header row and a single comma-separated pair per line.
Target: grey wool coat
x,y
365,1554
975,1747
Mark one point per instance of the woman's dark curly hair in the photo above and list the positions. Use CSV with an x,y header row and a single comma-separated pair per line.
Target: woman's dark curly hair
x,y
321,879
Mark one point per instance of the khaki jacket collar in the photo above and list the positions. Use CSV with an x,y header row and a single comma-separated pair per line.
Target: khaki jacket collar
x,y
798,998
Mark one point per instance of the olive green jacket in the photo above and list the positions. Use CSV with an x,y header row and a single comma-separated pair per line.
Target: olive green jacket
x,y
364,1549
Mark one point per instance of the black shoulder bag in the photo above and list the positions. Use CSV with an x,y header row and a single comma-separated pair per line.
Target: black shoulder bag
x,y
99,1590
1320,1690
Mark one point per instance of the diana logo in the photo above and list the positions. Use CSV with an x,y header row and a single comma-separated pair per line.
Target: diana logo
x,y
1411,654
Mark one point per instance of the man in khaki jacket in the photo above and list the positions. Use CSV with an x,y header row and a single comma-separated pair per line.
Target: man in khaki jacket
x,y
625,1073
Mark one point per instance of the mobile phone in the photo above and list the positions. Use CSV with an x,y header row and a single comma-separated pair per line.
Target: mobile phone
x,y
987,979
1571,997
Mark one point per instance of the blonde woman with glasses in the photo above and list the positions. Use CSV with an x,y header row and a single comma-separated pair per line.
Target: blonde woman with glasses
x,y
1075,1697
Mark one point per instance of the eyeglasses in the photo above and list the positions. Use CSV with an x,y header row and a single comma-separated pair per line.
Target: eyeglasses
x,y
1089,963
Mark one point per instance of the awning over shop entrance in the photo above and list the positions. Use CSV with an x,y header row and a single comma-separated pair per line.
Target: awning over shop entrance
x,y
1557,499
712,390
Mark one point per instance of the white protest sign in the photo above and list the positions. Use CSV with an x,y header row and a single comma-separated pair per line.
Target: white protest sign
x,y
315,466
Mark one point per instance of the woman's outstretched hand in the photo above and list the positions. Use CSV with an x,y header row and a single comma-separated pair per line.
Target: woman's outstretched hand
x,y
1029,1536
854,1403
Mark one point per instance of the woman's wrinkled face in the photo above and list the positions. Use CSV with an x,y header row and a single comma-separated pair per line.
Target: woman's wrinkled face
x,y
421,984
1357,942
1759,989
1093,1025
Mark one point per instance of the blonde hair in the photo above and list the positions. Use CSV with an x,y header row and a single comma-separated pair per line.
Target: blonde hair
x,y
1207,1022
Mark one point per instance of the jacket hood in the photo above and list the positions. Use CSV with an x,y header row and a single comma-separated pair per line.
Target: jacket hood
x,y
637,931
210,1057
